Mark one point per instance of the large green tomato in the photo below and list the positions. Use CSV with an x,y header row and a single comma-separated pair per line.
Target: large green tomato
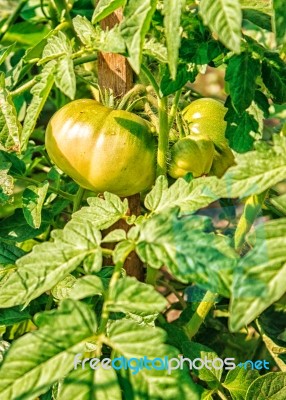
x,y
191,154
205,118
102,149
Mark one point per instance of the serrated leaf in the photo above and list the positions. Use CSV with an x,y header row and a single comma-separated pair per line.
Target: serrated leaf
x,y
49,263
114,236
87,384
105,8
241,75
84,29
172,17
6,185
224,18
9,253
47,352
155,49
194,350
238,381
57,45
5,52
241,136
259,279
274,76
131,340
89,285
135,25
132,296
257,17
279,21
65,76
122,250
180,243
103,212
14,315
16,166
9,113
184,74
40,94
271,386
33,199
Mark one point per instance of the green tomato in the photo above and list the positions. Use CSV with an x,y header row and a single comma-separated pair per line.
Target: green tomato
x,y
191,154
102,149
205,118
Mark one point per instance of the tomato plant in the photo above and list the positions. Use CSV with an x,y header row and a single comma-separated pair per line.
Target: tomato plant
x,y
105,106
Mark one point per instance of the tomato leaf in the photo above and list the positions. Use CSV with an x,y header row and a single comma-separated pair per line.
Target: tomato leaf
x,y
105,8
241,74
274,76
9,253
238,380
259,278
65,76
135,25
87,286
50,350
33,200
49,263
224,18
279,21
269,386
172,17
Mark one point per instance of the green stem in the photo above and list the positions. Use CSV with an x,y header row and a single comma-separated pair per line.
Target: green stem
x,y
85,59
252,207
174,108
78,199
26,86
193,326
59,192
12,18
151,79
151,276
136,90
163,140
222,395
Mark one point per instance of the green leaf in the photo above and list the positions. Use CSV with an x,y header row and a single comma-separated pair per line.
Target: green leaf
x,y
241,75
241,136
274,76
84,29
132,296
279,21
65,76
87,384
103,212
87,286
57,45
188,196
9,253
33,199
122,250
271,386
156,50
6,185
40,92
257,17
47,352
224,18
260,276
16,229
172,17
184,75
238,381
105,8
131,340
11,316
135,25
180,243
194,350
9,112
5,52
16,166
49,263
63,288
115,236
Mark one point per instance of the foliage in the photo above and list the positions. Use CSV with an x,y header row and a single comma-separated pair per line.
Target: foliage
x,y
212,248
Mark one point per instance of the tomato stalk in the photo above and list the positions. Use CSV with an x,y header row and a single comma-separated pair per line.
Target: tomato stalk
x,y
12,18
78,199
163,140
207,303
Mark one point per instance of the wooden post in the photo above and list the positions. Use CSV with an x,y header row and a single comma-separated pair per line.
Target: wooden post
x,y
114,72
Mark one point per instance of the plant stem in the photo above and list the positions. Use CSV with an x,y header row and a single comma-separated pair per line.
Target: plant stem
x,y
12,18
85,59
252,207
200,314
174,107
78,199
163,140
26,86
222,395
151,276
151,79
